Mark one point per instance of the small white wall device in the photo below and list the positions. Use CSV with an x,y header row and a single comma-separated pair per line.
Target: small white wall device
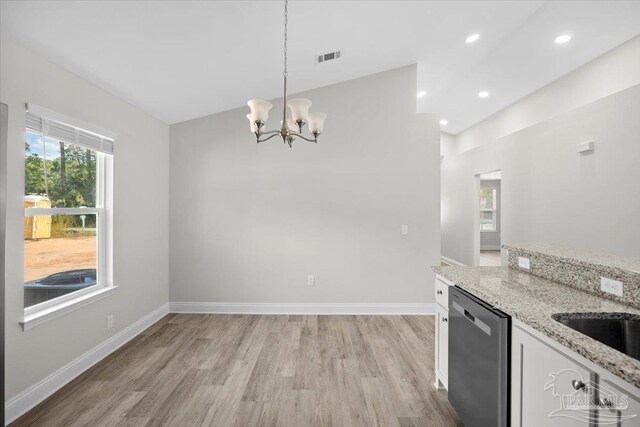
x,y
585,147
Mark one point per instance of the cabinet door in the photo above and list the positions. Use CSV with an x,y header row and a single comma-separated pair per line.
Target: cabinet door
x,y
622,417
442,331
546,385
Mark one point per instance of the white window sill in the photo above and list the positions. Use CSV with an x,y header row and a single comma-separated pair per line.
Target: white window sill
x,y
43,316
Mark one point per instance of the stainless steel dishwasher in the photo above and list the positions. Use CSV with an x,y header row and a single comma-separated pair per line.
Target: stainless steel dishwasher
x,y
479,361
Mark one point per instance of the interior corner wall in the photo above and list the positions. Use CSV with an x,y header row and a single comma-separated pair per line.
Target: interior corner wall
x,y
249,222
140,224
551,193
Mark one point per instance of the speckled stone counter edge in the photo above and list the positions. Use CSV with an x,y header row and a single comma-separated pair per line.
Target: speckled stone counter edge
x,y
578,273
502,287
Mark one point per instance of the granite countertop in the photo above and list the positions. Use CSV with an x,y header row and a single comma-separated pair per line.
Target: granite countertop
x,y
532,300
580,257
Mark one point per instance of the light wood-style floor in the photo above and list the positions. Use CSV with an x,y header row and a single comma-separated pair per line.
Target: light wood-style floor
x,y
262,370
490,258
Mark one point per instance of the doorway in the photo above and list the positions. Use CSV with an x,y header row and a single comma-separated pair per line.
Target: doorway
x,y
489,212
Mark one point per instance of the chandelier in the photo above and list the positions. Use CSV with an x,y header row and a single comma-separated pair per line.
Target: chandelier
x,y
300,115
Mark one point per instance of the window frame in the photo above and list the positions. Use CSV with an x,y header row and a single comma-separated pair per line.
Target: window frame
x,y
104,237
494,210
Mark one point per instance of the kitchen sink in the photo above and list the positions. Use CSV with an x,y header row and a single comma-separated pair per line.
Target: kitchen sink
x,y
620,331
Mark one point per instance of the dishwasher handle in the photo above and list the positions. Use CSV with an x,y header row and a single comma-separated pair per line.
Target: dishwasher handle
x,y
471,318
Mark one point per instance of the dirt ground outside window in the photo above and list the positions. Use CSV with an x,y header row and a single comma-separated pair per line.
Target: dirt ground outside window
x,y
47,256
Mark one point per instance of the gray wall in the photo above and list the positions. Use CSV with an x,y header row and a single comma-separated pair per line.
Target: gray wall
x,y
550,193
141,217
250,222
612,72
548,190
491,239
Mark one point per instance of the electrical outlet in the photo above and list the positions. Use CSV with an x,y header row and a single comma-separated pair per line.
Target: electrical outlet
x,y
524,263
611,286
311,280
404,229
110,321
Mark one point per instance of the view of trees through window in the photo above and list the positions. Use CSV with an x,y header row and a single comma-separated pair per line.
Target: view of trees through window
x,y
60,250
70,178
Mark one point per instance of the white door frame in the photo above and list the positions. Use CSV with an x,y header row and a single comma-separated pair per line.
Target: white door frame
x,y
476,213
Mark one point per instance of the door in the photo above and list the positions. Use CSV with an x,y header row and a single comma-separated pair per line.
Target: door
x,y
442,332
544,382
628,415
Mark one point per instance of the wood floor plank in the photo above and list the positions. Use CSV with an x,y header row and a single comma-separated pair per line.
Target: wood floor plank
x,y
307,361
380,407
260,370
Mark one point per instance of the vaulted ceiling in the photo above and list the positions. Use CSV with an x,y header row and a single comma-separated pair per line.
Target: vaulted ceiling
x,y
179,60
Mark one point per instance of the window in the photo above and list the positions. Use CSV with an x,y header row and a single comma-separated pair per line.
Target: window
x,y
488,209
67,227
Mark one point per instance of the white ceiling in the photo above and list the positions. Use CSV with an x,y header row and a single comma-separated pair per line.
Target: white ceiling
x,y
179,60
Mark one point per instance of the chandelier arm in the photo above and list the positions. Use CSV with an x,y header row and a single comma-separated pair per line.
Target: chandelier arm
x,y
297,135
258,140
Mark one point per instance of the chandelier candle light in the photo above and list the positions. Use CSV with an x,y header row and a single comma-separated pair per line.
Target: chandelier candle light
x,y
291,128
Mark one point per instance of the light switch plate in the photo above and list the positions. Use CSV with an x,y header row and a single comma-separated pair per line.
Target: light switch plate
x,y
110,321
611,286
524,263
404,229
311,280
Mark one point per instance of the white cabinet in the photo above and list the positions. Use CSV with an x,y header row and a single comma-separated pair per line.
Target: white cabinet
x,y
623,417
543,381
442,345
442,333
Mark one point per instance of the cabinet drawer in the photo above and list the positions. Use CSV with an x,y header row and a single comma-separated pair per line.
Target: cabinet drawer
x,y
442,294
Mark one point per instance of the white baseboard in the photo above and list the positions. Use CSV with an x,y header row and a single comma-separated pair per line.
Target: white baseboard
x,y
302,308
24,401
451,261
490,248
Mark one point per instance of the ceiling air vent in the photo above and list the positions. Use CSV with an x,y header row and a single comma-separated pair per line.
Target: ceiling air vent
x,y
328,56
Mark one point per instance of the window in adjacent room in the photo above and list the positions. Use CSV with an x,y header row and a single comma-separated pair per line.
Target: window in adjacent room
x,y
487,209
67,200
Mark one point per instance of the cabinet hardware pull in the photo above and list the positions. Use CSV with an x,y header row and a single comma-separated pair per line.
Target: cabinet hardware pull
x,y
606,402
439,292
444,319
578,385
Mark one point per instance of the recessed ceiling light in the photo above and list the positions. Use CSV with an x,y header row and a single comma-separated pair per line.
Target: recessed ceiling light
x,y
472,38
443,122
483,94
563,38
421,93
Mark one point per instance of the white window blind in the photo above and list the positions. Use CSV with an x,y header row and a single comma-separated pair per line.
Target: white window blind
x,y
57,127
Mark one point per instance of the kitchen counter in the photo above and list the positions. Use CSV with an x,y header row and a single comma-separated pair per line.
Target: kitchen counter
x,y
532,300
579,257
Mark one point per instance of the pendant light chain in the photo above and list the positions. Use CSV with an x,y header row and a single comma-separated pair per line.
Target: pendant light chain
x,y
285,36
